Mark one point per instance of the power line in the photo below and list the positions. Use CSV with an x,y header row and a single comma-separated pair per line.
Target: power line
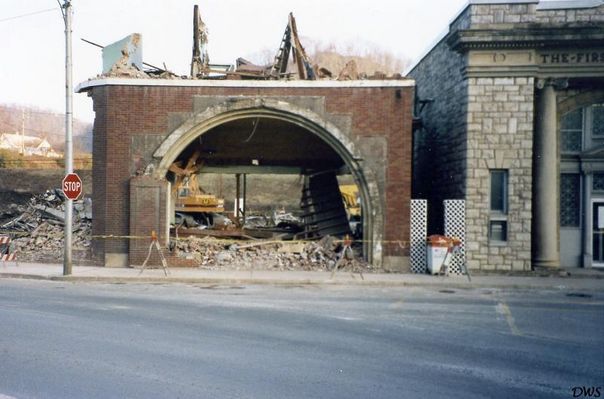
x,y
27,15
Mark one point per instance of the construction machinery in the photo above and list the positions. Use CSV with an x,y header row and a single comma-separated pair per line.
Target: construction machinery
x,y
189,195
350,196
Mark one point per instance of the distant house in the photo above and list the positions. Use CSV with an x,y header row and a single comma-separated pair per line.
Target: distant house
x,y
29,145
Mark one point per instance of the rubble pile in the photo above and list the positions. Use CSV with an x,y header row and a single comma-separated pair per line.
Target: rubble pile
x,y
38,227
124,59
214,254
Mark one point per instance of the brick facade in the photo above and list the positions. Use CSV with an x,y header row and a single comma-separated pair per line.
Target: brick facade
x,y
132,120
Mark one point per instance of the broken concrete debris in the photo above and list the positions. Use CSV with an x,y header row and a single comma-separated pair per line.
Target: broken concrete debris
x,y
124,59
127,52
266,237
37,230
37,227
214,254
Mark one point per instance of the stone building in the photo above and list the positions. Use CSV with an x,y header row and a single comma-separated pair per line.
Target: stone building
x,y
510,118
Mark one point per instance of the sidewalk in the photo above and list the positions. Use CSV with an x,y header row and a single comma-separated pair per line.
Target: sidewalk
x,y
580,280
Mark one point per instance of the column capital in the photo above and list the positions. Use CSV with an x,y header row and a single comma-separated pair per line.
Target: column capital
x,y
556,83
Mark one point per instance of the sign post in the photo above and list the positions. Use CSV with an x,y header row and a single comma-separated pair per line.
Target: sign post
x,y
72,188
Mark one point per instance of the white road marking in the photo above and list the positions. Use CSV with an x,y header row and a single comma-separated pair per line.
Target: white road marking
x,y
504,309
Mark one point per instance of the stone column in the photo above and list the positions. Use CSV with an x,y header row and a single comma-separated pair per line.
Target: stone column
x,y
546,252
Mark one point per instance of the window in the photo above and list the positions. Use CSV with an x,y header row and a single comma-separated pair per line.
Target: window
x,y
498,223
498,230
598,182
597,118
571,131
570,200
582,129
498,191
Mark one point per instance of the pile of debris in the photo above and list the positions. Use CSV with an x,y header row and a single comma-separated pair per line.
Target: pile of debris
x,y
38,227
123,59
323,255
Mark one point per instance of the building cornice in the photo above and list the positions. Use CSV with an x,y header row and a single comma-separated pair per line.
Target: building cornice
x,y
89,84
537,37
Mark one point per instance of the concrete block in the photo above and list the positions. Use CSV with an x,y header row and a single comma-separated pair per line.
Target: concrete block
x,y
504,81
116,260
124,53
397,264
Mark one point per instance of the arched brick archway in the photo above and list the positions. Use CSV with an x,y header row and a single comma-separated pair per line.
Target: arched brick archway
x,y
237,108
142,124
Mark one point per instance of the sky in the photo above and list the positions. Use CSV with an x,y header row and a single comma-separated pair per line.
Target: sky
x,y
32,54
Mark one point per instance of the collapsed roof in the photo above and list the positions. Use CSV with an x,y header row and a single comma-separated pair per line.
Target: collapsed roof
x,y
124,59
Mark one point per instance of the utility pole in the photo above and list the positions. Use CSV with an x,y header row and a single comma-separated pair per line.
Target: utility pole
x,y
68,155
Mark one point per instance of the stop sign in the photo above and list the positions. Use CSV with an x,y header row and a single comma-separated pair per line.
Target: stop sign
x,y
72,186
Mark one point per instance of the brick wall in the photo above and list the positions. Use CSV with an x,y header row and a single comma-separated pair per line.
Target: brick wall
x,y
99,181
127,116
147,195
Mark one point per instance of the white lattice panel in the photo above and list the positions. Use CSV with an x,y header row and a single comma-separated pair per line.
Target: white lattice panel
x,y
419,231
455,226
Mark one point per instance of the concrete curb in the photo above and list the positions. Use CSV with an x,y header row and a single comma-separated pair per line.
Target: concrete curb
x,y
566,283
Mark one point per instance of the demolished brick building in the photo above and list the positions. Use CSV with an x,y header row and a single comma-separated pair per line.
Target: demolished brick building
x,y
147,121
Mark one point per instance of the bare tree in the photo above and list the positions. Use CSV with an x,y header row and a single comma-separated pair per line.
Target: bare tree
x,y
369,58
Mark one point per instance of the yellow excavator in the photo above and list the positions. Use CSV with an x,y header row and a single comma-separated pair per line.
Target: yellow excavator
x,y
189,196
350,196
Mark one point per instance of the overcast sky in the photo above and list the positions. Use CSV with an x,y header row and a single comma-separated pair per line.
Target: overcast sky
x,y
33,48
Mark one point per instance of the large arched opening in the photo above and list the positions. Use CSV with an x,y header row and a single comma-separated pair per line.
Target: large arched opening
x,y
267,136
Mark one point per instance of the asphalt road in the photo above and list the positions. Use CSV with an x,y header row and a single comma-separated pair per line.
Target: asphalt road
x,y
85,340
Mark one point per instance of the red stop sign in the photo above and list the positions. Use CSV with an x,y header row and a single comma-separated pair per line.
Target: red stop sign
x,y
72,186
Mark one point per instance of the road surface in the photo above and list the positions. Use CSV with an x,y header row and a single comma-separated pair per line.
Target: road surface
x,y
92,340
